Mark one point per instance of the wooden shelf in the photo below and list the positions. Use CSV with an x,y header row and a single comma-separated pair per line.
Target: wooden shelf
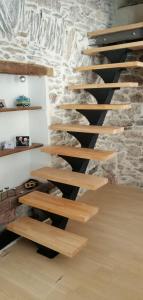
x,y
6,152
20,108
17,68
113,85
87,128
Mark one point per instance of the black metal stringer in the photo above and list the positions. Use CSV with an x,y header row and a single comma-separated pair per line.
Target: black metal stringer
x,y
102,96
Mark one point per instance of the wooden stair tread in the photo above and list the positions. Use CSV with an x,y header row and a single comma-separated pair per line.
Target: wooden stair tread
x,y
79,152
54,238
103,85
74,210
87,128
126,65
69,177
115,29
132,45
96,106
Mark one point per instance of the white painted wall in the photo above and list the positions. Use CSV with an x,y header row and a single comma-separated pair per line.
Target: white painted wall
x,y
39,120
16,168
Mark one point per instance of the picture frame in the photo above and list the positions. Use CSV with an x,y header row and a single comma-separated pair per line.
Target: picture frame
x,y
9,144
22,141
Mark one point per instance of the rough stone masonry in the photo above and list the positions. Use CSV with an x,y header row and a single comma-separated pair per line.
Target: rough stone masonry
x,y
53,33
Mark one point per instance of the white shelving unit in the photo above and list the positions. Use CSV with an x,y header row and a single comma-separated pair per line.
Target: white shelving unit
x,y
16,168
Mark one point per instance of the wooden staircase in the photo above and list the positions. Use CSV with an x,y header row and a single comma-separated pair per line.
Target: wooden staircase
x,y
114,43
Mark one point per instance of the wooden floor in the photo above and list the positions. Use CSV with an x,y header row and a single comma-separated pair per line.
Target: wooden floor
x,y
109,268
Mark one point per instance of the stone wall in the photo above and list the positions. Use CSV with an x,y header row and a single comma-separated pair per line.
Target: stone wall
x,y
127,167
54,33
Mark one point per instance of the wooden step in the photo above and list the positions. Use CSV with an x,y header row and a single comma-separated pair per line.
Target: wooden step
x,y
124,65
131,46
64,242
87,128
96,106
83,86
72,178
79,152
115,29
73,210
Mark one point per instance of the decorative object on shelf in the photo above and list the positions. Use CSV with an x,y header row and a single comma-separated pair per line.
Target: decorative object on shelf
x,y
9,145
23,101
22,78
22,141
2,103
31,183
2,145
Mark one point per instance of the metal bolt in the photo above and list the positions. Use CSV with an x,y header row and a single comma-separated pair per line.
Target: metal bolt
x,y
104,39
134,33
